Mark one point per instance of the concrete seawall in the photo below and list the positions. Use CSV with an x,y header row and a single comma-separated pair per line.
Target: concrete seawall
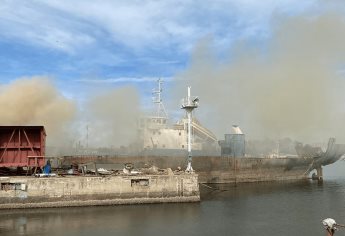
x,y
31,192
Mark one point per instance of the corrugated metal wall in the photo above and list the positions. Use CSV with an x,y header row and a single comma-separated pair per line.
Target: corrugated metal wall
x,y
233,145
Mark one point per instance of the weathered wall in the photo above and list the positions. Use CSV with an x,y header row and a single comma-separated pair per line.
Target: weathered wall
x,y
19,192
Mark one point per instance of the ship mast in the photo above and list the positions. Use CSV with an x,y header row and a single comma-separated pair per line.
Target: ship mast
x,y
189,104
157,99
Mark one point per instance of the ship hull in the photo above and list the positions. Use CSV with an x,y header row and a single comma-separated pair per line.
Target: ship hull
x,y
216,169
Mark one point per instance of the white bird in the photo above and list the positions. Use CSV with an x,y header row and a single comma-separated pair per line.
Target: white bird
x,y
329,223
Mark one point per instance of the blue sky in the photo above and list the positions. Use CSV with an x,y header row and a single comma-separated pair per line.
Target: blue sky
x,y
85,45
116,43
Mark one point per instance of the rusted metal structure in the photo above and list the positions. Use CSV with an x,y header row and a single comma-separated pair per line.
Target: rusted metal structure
x,y
22,146
227,169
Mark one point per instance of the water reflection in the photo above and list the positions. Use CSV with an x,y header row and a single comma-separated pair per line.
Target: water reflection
x,y
100,220
245,209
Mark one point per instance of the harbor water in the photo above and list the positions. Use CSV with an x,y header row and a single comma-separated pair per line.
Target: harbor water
x,y
258,209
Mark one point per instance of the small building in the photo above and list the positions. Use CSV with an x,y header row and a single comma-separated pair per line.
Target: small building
x,y
234,144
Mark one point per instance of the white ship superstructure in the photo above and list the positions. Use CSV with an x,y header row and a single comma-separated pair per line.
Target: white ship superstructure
x,y
155,132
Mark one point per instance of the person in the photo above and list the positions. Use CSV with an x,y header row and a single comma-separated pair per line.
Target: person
x,y
47,168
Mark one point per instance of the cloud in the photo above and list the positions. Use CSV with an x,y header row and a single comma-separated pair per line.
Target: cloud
x,y
117,39
138,25
84,43
123,80
40,25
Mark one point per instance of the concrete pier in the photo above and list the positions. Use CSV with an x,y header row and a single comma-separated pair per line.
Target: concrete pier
x,y
31,192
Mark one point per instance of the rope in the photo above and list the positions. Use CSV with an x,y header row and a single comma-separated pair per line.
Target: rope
x,y
207,186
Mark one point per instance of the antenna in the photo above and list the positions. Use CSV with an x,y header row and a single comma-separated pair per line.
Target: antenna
x,y
87,136
189,104
157,99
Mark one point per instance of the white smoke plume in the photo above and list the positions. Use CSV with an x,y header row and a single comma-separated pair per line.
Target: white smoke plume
x,y
113,115
36,101
290,87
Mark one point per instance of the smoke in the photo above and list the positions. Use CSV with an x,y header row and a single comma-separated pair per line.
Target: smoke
x,y
291,86
36,101
113,116
109,114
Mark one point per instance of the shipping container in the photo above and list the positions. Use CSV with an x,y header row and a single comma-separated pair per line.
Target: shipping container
x,y
22,146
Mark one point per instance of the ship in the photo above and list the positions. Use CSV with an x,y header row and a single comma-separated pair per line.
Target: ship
x,y
189,143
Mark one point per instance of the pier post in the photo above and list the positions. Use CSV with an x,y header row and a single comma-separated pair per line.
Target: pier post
x,y
96,171
319,172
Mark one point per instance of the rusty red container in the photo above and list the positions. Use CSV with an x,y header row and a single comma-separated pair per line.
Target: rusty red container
x,y
22,146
